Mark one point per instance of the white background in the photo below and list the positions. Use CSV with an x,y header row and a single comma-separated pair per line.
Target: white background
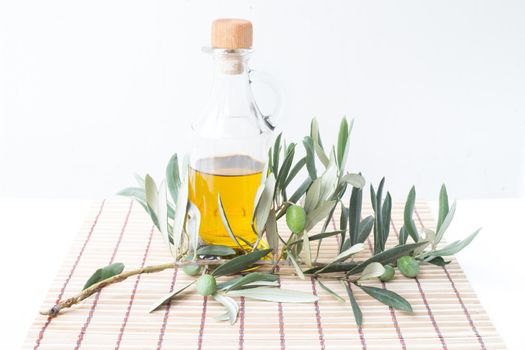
x,y
92,91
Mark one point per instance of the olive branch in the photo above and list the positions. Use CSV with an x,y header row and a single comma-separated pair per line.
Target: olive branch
x,y
253,272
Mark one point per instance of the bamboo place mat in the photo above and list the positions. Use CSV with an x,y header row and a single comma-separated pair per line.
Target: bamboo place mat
x,y
447,313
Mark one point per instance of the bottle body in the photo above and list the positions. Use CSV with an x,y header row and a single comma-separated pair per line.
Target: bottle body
x,y
235,178
229,153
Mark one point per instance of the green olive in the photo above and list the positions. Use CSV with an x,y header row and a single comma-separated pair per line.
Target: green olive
x,y
388,275
296,218
408,266
192,269
206,285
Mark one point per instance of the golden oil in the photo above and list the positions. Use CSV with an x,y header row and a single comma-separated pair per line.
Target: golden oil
x,y
236,178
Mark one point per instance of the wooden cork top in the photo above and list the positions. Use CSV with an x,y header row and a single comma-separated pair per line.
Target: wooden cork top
x,y
231,34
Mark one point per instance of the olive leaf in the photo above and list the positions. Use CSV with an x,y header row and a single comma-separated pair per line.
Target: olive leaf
x,y
285,168
193,227
386,218
300,191
382,216
356,248
356,200
403,236
226,223
295,170
318,236
365,228
136,193
164,299
257,198
307,250
388,297
373,197
438,261
310,157
264,205
355,180
223,317
409,224
226,284
272,234
251,278
358,315
151,197
371,271
103,274
329,180
164,227
151,194
444,224
343,220
278,295
317,214
173,177
386,257
139,179
343,143
260,190
429,238
331,292
344,255
296,266
276,152
181,207
312,196
328,221
263,281
231,306
318,145
239,263
248,243
336,267
215,250
454,247
443,206
342,139
270,160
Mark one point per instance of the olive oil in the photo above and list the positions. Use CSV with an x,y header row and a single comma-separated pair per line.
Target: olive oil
x,y
236,178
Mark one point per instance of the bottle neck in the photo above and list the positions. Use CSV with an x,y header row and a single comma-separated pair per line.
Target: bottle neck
x,y
231,112
231,83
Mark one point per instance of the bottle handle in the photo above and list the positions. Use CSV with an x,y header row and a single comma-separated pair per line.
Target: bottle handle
x,y
266,79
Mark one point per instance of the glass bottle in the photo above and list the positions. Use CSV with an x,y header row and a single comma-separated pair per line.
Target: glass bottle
x,y
230,140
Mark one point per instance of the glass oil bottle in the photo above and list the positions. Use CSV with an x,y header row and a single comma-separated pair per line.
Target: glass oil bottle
x,y
230,140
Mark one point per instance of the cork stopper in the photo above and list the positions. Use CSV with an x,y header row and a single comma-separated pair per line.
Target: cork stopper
x,y
231,34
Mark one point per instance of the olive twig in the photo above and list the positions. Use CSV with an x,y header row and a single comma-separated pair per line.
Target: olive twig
x,y
86,293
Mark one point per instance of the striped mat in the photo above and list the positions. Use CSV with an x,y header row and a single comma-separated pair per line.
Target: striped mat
x,y
447,313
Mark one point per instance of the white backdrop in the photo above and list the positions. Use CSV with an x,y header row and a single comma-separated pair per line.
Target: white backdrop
x,y
92,91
